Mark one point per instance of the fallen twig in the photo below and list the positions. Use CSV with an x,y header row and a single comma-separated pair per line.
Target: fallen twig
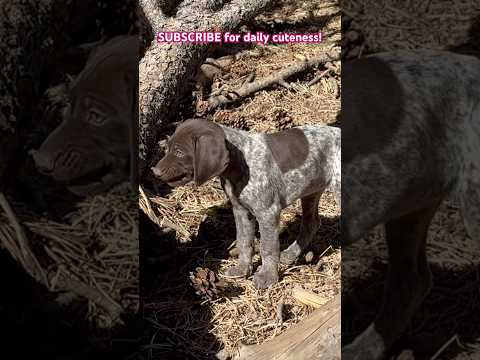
x,y
317,78
445,346
320,261
161,221
278,78
27,259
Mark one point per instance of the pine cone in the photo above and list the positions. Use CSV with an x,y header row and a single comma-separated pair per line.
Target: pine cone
x,y
238,122
206,283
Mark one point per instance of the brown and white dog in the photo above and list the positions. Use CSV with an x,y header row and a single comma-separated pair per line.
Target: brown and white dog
x,y
261,174
411,136
94,148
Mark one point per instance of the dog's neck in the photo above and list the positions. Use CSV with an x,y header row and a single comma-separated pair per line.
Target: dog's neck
x,y
237,171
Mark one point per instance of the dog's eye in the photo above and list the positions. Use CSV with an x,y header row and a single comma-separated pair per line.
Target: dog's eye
x,y
96,118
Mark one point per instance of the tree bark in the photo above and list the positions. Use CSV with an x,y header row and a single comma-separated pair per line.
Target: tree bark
x,y
15,75
316,337
167,70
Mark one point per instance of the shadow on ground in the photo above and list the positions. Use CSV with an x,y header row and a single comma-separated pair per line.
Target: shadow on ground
x,y
177,322
452,308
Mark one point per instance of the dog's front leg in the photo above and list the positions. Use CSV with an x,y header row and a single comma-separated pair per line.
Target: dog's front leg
x,y
408,282
267,274
245,225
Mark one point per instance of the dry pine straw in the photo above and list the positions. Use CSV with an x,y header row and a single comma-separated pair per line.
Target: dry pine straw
x,y
94,253
251,317
393,24
243,313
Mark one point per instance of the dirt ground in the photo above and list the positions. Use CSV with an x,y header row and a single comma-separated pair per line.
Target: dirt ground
x,y
187,325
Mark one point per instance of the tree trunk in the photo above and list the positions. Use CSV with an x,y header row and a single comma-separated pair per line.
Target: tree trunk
x,y
16,24
167,70
316,337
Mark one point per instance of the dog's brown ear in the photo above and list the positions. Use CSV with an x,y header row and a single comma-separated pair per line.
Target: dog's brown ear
x,y
210,157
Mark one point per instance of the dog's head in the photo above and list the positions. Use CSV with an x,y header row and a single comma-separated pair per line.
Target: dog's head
x,y
89,151
197,151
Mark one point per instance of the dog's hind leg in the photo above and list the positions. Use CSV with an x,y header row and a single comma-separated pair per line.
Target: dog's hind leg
x,y
310,225
470,197
245,225
407,283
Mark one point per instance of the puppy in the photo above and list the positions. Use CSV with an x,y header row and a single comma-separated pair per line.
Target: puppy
x,y
261,174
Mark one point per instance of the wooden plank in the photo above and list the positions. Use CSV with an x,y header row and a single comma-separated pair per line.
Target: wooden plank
x,y
317,337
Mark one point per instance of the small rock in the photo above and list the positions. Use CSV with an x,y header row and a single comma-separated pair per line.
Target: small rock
x,y
406,355
309,257
222,355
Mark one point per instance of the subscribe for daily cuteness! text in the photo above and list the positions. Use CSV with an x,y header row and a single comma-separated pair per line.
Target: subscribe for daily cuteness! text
x,y
259,37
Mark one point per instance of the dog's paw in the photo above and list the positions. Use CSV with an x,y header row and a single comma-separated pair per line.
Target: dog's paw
x,y
265,278
239,271
367,346
288,257
351,352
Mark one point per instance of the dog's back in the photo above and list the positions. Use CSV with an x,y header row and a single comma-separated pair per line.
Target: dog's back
x,y
327,140
295,162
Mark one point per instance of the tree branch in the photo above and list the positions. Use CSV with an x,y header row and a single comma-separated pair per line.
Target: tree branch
x,y
278,78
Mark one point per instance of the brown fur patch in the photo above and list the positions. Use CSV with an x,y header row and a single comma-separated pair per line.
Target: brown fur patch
x,y
289,148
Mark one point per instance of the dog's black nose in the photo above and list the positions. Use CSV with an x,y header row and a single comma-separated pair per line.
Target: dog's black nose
x,y
157,172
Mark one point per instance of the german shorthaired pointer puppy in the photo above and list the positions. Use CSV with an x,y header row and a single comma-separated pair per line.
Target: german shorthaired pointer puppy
x,y
94,148
411,134
261,174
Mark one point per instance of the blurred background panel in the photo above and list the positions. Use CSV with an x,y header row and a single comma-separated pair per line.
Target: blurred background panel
x,y
68,196
446,325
